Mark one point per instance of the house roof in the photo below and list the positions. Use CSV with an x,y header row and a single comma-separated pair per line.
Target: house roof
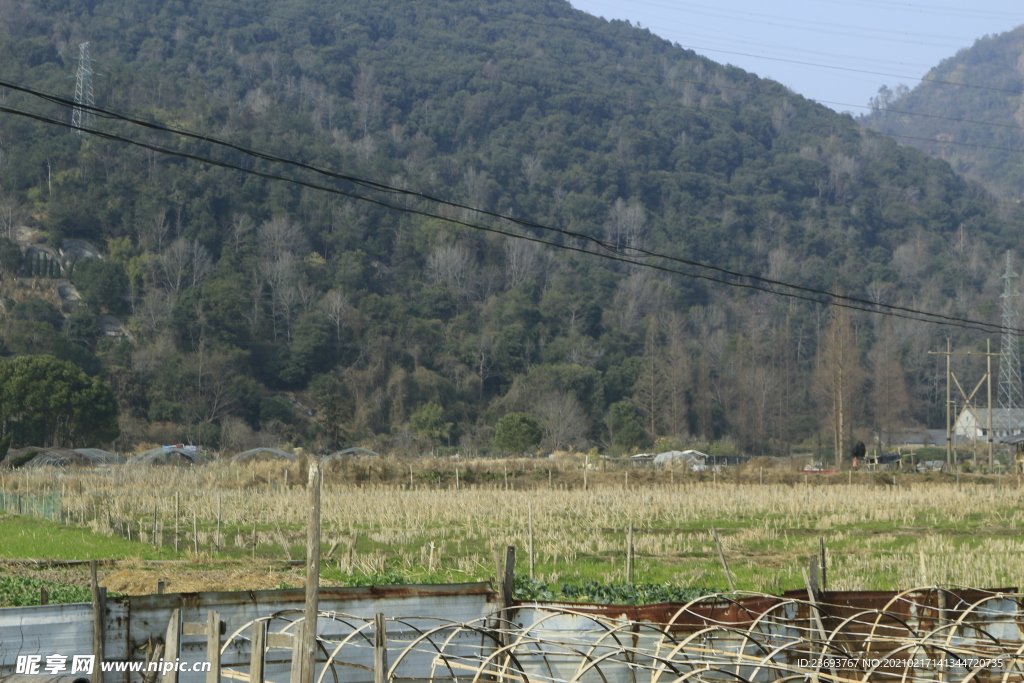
x,y
937,437
1002,418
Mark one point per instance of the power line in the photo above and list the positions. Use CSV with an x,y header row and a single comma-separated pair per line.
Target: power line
x,y
610,247
800,293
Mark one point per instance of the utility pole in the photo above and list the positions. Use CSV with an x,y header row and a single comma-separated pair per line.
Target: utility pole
x,y
952,379
83,89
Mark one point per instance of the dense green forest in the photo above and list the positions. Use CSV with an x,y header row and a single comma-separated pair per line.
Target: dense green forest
x,y
969,110
259,311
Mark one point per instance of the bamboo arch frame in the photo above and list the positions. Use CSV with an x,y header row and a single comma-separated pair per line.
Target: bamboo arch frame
x,y
721,638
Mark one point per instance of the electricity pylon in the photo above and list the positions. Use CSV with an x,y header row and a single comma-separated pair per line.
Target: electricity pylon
x,y
83,89
1010,392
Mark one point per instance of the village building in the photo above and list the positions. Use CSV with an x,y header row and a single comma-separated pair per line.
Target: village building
x,y
973,423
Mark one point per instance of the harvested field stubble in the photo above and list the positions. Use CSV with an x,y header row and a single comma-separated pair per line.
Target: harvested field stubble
x,y
879,536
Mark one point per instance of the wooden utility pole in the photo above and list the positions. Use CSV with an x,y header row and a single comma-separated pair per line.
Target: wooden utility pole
x,y
951,380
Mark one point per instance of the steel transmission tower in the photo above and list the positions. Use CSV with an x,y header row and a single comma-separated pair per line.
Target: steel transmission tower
x,y
83,89
1010,393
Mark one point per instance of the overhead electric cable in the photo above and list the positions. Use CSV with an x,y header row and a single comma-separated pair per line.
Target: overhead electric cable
x,y
612,248
801,293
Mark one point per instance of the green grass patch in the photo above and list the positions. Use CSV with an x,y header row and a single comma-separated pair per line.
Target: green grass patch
x,y
29,538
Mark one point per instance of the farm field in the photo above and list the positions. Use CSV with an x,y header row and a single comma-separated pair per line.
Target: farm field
x,y
238,527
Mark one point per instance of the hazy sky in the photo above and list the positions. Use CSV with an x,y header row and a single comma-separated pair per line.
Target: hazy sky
x,y
838,52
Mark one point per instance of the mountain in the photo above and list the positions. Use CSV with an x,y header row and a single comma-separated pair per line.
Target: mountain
x,y
969,111
257,311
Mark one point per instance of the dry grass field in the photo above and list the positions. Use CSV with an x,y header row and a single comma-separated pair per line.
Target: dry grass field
x,y
384,521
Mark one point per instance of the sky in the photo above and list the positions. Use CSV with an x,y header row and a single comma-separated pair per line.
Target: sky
x,y
838,52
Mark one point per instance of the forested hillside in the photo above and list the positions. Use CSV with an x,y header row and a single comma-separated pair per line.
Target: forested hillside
x,y
261,311
969,110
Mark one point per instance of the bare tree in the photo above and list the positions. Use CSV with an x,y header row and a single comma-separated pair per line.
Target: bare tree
x,y
153,235
649,390
279,235
564,421
523,261
153,312
890,399
678,377
532,168
241,226
453,266
172,265
280,276
184,261
369,96
338,309
200,262
626,224
11,215
840,378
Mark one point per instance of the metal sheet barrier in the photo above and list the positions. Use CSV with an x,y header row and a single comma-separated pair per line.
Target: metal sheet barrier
x,y
934,634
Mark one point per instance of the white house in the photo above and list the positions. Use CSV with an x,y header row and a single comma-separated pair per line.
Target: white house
x,y
973,423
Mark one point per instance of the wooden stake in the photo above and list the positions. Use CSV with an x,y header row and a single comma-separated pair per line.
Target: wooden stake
x,y
456,478
177,516
255,539
213,646
380,649
172,645
312,574
195,533
508,581
530,508
216,540
44,596
258,653
284,541
821,563
586,468
98,630
721,556
629,554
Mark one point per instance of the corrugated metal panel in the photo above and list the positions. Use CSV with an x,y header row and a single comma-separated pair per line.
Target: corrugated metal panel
x,y
46,630
134,620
